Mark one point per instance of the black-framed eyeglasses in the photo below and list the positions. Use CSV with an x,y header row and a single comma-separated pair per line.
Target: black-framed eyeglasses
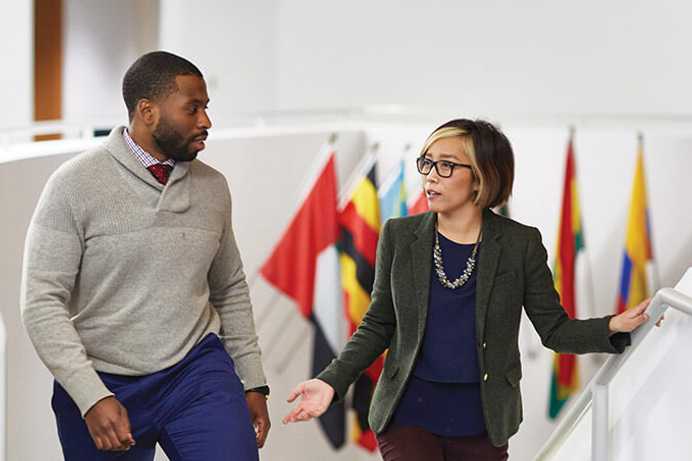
x,y
444,168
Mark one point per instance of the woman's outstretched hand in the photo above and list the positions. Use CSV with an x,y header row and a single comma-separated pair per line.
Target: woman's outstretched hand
x,y
315,397
631,319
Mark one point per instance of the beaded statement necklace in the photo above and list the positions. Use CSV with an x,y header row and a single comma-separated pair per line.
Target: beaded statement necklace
x,y
440,269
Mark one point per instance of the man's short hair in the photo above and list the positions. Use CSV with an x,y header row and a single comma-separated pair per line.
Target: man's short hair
x,y
152,76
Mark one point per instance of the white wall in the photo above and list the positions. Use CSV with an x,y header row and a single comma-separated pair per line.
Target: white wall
x,y
101,39
493,58
490,57
233,43
17,76
31,432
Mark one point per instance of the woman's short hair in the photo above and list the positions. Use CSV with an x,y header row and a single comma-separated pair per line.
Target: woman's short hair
x,y
490,154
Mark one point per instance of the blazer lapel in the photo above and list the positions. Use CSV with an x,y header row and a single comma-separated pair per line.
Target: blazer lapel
x,y
421,259
489,256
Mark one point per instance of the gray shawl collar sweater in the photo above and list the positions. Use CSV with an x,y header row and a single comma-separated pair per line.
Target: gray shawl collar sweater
x,y
124,275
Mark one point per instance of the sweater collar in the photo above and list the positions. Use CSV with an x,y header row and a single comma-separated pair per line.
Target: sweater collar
x,y
175,194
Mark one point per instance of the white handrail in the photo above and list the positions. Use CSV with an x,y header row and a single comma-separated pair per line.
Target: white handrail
x,y
594,396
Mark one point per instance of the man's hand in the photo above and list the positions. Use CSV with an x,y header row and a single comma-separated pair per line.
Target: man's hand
x,y
109,425
257,403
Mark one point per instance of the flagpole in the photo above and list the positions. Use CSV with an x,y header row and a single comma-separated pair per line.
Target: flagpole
x,y
589,280
285,321
325,153
263,314
565,368
363,165
290,355
590,291
653,275
394,172
391,179
359,171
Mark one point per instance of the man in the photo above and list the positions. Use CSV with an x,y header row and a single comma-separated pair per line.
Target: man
x,y
133,290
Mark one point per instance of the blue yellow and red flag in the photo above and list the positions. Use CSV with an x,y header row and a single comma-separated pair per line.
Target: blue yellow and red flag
x,y
637,261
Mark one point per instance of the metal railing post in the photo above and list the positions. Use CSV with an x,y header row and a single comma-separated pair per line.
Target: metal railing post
x,y
600,421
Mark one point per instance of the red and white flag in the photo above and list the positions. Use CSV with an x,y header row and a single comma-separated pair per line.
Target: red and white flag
x,y
305,267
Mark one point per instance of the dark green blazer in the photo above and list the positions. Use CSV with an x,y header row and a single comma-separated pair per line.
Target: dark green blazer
x,y
512,272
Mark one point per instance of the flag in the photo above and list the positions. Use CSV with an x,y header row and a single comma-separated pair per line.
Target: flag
x,y
305,267
393,195
570,241
359,222
638,259
419,204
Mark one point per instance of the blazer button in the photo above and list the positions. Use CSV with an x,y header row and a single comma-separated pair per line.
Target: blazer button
x,y
485,345
485,377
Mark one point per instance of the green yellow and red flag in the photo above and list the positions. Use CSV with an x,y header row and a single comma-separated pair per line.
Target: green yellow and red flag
x,y
570,242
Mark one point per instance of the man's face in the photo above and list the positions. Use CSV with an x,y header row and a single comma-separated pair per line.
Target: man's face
x,y
183,121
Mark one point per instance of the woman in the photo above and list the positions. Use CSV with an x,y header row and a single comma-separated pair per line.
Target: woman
x,y
449,288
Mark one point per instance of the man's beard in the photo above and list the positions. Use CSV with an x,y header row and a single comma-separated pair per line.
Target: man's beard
x,y
171,143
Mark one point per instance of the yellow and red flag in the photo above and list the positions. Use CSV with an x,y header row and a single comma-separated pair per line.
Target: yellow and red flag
x,y
359,224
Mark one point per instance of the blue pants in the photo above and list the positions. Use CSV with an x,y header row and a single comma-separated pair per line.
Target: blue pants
x,y
196,410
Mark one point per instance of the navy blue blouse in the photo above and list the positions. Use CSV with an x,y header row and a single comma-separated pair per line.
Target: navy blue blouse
x,y
443,393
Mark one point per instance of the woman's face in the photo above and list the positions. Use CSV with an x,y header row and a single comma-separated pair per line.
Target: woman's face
x,y
448,195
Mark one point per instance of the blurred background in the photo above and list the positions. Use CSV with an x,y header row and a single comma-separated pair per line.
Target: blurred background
x,y
288,79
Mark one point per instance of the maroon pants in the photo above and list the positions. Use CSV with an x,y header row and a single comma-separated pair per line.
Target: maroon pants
x,y
415,444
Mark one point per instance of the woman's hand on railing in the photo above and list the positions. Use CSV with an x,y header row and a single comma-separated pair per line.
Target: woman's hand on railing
x,y
315,397
631,319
